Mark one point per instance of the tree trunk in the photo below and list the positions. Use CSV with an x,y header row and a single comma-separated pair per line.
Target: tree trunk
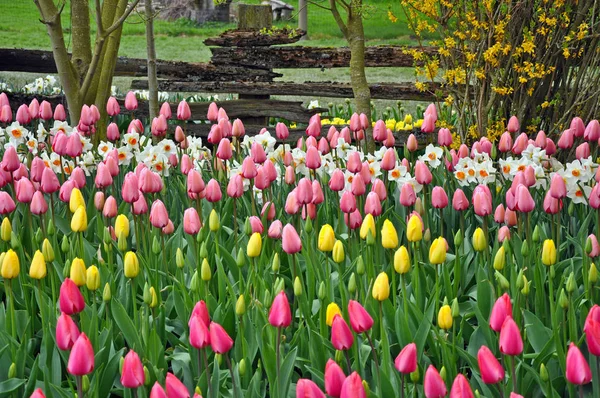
x,y
80,36
303,17
152,80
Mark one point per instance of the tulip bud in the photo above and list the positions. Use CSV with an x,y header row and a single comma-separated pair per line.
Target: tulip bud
x,y
122,242
279,285
321,294
297,287
502,281
563,301
370,238
203,250
549,254
51,229
494,152
339,356
571,284
6,229
147,297
499,259
526,285
455,308
179,259
131,265
525,249
415,376
47,251
147,379
240,259
419,206
85,383
267,300
15,243
571,209
445,317
247,227
107,238
308,226
194,282
544,373
381,287
443,373
240,306
360,266
156,249
64,245
536,234
242,367
106,295
154,301
12,371
39,236
477,394
479,240
593,273
338,254
458,238
588,246
214,223
352,284
205,272
275,264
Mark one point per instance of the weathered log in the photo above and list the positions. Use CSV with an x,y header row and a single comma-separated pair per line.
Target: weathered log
x,y
313,57
393,91
38,61
249,38
236,109
254,16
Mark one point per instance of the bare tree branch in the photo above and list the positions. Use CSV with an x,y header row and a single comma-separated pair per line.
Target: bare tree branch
x,y
338,17
120,21
99,18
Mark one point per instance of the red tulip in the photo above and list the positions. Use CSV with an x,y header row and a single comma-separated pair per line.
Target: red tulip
x,y
406,361
491,370
66,332
578,370
220,341
157,391
510,340
353,387
334,378
175,388
81,360
280,315
461,388
433,384
360,320
306,388
70,298
501,310
132,375
341,335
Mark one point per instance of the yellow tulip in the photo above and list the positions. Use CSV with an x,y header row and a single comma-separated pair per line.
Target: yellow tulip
x,y
122,225
131,265
414,229
445,317
214,223
6,230
381,287
332,310
389,236
479,240
92,279
367,225
254,245
205,272
338,252
401,260
76,200
154,300
240,306
549,253
437,251
326,238
37,270
10,265
500,259
79,220
78,272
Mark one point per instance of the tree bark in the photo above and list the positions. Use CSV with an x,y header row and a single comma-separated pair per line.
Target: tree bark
x,y
152,80
303,17
80,36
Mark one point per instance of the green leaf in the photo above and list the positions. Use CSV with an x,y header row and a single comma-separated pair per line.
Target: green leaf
x,y
286,371
126,326
538,334
10,385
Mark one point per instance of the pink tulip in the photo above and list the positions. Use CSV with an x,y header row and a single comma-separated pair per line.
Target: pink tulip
x,y
183,111
275,230
213,191
195,184
10,160
422,173
199,333
428,125
268,209
433,384
235,187
65,191
110,207
74,145
313,129
444,137
23,115
25,190
411,143
592,131
353,220
5,114
499,214
565,140
502,309
406,361
169,228
510,340
459,200
66,332
248,168
38,393
131,102
132,375
130,190
525,202
513,125
334,378
521,144
578,370
280,315
388,161
505,143
175,388
158,214
99,200
220,341
360,320
38,203
379,131
70,298
281,131
558,187
358,187
59,113
317,193
45,111
290,241
348,202
379,188
439,199
103,178
337,181
373,204
257,152
306,388
577,126
292,206
355,124
191,221
582,151
157,391
81,360
353,387
482,203
491,370
341,335
461,388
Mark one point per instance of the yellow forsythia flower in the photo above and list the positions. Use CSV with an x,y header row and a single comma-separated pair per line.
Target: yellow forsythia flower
x,y
37,270
78,272
76,200
122,225
367,225
549,253
214,223
437,251
381,288
479,240
389,236
79,220
10,265
445,317
332,310
414,229
254,245
92,279
131,265
338,252
326,238
401,260
500,259
6,230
